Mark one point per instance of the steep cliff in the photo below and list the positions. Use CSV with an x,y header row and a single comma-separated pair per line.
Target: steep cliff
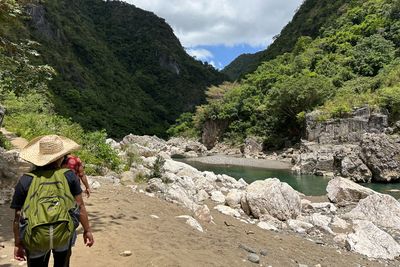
x,y
118,67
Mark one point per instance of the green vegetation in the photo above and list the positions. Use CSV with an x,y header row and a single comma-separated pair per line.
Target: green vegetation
x,y
132,155
158,167
24,93
311,17
118,67
352,62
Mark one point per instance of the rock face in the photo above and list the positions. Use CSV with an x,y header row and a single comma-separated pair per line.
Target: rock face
x,y
383,210
271,198
343,191
381,153
371,241
348,164
356,147
212,132
347,130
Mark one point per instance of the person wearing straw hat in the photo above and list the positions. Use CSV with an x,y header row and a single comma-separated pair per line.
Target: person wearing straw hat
x,y
64,191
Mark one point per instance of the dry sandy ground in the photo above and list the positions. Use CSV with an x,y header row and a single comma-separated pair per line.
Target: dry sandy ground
x,y
121,221
239,161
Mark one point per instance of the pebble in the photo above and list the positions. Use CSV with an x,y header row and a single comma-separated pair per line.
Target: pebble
x,y
154,216
3,256
263,252
22,263
302,265
253,258
247,248
126,253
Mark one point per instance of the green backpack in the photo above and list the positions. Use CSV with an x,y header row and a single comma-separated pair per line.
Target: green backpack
x,y
48,219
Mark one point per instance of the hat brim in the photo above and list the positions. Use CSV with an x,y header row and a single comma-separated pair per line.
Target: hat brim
x,y
31,151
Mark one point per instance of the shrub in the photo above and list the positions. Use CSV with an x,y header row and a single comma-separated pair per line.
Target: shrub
x,y
141,178
4,143
158,167
132,156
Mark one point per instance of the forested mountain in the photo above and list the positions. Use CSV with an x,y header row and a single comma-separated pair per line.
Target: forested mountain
x,y
117,67
309,20
353,61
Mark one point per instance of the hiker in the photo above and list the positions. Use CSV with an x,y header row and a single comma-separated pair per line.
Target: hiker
x,y
75,164
48,205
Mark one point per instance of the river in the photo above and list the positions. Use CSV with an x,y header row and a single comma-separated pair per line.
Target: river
x,y
310,185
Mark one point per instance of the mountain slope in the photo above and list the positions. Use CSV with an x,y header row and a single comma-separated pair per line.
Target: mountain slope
x,y
119,68
352,63
308,21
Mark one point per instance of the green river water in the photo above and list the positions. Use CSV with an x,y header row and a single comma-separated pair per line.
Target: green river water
x,y
310,185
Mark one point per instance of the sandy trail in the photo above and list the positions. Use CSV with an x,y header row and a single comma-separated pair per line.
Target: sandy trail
x,y
16,142
121,221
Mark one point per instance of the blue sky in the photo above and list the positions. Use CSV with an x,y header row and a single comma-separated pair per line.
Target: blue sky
x,y
221,55
217,31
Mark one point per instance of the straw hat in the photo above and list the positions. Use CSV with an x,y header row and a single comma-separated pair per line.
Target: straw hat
x,y
46,149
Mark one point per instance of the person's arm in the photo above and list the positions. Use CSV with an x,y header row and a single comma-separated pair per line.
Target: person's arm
x,y
81,173
87,231
86,184
19,252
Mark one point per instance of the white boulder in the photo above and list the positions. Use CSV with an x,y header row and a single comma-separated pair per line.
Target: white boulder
x,y
271,197
371,241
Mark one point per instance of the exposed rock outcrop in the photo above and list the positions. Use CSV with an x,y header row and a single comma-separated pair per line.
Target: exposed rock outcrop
x,y
212,132
381,153
357,147
344,130
343,191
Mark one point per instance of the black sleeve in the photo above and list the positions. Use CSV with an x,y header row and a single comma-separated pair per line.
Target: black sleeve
x,y
74,184
21,190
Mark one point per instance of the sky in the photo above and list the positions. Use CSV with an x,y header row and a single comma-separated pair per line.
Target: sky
x,y
217,31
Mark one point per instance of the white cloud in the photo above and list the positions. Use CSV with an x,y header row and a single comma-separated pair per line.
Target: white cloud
x,y
228,22
200,53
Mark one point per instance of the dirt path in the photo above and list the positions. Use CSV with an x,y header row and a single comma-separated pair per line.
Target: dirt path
x,y
16,142
121,221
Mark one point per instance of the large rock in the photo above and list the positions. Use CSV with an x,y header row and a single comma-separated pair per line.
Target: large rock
x,y
383,210
271,197
233,198
343,191
371,241
253,145
177,194
182,147
349,165
151,142
381,153
11,167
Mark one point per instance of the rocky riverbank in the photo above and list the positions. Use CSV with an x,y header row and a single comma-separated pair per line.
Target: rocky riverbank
x,y
351,219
